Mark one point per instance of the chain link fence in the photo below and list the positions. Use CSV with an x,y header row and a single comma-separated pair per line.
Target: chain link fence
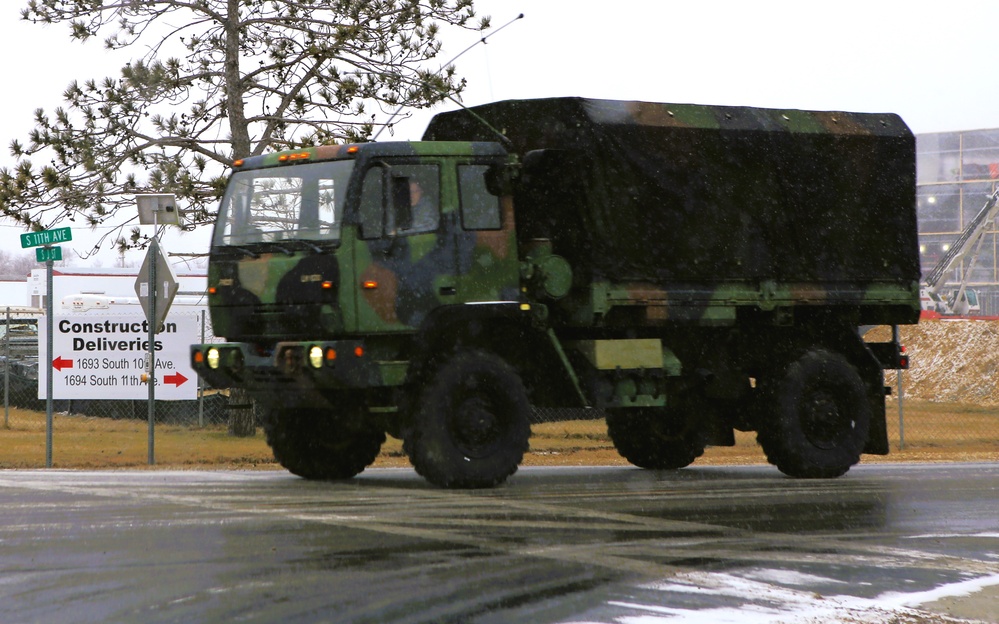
x,y
923,422
19,365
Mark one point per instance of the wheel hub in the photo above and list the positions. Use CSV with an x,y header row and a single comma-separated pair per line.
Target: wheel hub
x,y
475,428
824,423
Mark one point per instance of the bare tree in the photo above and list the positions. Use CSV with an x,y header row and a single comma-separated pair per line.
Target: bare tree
x,y
13,264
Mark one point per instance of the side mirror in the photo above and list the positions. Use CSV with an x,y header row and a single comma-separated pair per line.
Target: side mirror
x,y
499,179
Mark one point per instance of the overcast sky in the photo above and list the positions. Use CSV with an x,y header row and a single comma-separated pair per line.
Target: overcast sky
x,y
932,62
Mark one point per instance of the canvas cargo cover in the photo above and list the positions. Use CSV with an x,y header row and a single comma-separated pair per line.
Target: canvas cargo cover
x,y
689,193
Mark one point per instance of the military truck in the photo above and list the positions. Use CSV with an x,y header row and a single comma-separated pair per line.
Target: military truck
x,y
684,270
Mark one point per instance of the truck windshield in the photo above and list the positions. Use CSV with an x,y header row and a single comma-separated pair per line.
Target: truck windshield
x,y
300,202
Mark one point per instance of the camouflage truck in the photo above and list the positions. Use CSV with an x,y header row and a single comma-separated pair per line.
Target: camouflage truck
x,y
686,271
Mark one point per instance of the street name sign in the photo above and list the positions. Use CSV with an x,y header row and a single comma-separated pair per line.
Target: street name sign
x,y
44,254
46,237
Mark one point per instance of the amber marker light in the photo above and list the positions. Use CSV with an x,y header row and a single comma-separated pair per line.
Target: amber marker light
x,y
370,285
359,351
327,285
353,149
212,290
238,163
199,357
330,354
294,156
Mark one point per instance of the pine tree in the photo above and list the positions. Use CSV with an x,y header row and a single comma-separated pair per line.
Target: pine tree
x,y
218,80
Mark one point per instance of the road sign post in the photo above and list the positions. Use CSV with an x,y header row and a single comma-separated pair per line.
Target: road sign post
x,y
48,382
47,253
155,210
153,321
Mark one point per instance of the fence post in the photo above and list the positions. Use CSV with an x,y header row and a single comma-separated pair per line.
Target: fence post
x,y
201,383
901,415
6,373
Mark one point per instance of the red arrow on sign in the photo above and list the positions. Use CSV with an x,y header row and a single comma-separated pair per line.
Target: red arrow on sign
x,y
60,363
176,379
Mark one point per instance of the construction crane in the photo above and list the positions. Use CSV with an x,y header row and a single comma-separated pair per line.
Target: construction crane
x,y
962,300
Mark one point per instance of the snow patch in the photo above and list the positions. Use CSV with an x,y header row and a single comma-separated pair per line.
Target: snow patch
x,y
767,603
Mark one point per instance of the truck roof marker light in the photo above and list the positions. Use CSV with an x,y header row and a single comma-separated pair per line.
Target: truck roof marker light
x,y
353,149
369,285
238,163
294,156
359,351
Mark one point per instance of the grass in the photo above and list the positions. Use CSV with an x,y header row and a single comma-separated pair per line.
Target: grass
x,y
933,432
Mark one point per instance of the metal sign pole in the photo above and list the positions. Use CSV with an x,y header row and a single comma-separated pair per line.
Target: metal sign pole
x,y
151,320
48,363
151,209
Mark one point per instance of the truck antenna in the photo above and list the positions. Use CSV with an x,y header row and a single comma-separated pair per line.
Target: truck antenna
x,y
481,40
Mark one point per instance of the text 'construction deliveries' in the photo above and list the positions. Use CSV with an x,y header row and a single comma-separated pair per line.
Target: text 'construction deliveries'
x,y
107,335
105,358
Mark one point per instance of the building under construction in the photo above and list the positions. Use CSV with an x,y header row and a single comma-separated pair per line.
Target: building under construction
x,y
957,172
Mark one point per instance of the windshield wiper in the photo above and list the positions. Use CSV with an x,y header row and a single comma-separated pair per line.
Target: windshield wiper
x,y
315,248
244,250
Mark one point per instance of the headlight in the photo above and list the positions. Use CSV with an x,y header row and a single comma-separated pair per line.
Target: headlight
x,y
213,358
316,357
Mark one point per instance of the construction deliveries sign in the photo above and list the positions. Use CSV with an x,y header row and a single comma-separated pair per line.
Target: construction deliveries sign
x,y
104,357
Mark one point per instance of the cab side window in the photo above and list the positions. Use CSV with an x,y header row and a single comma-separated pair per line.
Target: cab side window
x,y
424,197
480,209
373,204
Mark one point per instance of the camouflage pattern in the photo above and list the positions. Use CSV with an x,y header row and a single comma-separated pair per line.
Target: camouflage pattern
x,y
633,221
697,198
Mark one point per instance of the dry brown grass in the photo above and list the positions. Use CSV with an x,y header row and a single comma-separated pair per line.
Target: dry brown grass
x,y
933,432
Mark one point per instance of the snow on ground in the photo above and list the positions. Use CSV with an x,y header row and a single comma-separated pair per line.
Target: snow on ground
x,y
952,361
762,602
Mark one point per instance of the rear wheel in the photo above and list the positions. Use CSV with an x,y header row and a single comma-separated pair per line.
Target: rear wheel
x,y
818,416
471,427
315,444
654,438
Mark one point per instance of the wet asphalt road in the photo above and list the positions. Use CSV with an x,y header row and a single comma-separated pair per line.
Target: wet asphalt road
x,y
709,544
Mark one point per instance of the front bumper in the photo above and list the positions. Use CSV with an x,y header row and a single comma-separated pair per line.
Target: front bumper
x,y
330,365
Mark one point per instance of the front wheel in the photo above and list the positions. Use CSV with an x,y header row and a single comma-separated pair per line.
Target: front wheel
x,y
471,425
817,416
315,444
654,438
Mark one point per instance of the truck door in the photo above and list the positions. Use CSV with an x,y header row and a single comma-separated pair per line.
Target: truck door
x,y
405,262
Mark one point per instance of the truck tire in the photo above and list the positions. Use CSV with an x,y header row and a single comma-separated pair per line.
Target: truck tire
x,y
653,438
817,416
471,426
316,445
